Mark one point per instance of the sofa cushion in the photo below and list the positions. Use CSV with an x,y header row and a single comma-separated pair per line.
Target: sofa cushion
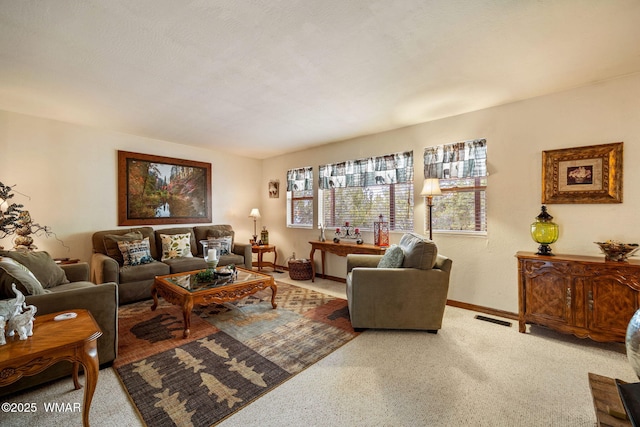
x,y
97,239
204,232
136,273
419,252
177,230
180,265
11,272
222,244
135,252
111,244
175,246
392,257
48,273
231,259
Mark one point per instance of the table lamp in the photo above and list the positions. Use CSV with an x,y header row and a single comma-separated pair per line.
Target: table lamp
x,y
255,214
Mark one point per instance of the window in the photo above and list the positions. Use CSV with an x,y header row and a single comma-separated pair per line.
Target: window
x,y
359,191
300,197
462,169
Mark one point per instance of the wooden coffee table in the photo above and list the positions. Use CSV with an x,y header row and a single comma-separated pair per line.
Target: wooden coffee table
x,y
182,289
53,341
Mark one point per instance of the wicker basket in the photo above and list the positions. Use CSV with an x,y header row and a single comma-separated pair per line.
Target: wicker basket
x,y
300,269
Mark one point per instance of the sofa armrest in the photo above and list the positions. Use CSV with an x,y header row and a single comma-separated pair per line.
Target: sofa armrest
x,y
362,260
102,303
244,249
104,269
76,272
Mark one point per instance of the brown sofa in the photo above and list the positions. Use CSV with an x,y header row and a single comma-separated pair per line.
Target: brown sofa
x,y
100,300
134,282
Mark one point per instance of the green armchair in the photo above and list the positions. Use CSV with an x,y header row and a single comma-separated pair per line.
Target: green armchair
x,y
410,296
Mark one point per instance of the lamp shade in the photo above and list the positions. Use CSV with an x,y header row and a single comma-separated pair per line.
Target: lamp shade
x,y
255,213
431,187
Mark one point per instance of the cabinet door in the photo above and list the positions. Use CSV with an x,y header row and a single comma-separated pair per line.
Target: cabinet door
x,y
610,304
548,294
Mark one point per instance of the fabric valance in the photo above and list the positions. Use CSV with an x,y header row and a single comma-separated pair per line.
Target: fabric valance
x,y
467,159
300,179
389,169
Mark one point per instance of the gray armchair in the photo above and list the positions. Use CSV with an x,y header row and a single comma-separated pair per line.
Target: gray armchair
x,y
412,296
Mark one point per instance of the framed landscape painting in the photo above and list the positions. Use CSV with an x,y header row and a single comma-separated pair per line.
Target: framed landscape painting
x,y
591,174
162,190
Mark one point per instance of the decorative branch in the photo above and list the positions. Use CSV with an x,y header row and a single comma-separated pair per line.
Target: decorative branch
x,y
15,220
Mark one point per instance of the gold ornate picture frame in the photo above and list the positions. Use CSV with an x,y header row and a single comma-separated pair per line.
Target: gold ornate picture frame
x,y
591,174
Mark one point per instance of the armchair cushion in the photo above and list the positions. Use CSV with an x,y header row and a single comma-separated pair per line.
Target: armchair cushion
x,y
419,252
48,273
11,272
392,257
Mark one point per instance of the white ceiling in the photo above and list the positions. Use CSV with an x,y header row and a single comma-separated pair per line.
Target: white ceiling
x,y
263,78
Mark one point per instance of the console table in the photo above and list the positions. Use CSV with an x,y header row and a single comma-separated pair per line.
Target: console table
x,y
582,295
340,249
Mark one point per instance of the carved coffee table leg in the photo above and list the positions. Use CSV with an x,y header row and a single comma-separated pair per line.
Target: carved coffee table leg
x,y
274,290
154,294
187,306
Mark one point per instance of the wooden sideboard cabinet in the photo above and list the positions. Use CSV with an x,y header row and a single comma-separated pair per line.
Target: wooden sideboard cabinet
x,y
580,295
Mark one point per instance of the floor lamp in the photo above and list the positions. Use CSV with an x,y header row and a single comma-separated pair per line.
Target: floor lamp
x,y
431,188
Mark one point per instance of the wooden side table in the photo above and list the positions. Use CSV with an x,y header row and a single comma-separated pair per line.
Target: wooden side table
x,y
263,249
340,249
74,340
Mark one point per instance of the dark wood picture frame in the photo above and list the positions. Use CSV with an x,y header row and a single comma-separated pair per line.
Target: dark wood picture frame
x,y
590,174
156,190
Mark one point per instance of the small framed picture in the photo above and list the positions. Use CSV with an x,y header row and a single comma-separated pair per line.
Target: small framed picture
x,y
591,174
274,189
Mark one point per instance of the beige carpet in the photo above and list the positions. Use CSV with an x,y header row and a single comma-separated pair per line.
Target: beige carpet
x,y
472,373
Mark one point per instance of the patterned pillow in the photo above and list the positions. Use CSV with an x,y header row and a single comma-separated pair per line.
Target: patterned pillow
x,y
12,271
224,243
392,258
136,252
176,246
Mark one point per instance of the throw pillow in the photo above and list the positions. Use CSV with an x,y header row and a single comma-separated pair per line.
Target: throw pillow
x,y
419,252
111,244
48,273
392,257
11,272
136,252
176,246
224,243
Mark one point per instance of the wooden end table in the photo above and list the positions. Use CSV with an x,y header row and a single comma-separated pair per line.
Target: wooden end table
x,y
340,249
182,289
263,249
74,340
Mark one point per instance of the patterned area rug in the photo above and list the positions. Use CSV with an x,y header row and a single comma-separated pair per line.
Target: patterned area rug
x,y
236,352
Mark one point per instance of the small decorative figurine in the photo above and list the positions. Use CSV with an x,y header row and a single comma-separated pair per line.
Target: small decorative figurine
x,y
22,323
16,316
3,325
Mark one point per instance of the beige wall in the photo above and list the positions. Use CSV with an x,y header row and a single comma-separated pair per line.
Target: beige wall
x,y
484,269
70,173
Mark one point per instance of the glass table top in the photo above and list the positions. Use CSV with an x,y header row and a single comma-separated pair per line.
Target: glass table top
x,y
189,281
